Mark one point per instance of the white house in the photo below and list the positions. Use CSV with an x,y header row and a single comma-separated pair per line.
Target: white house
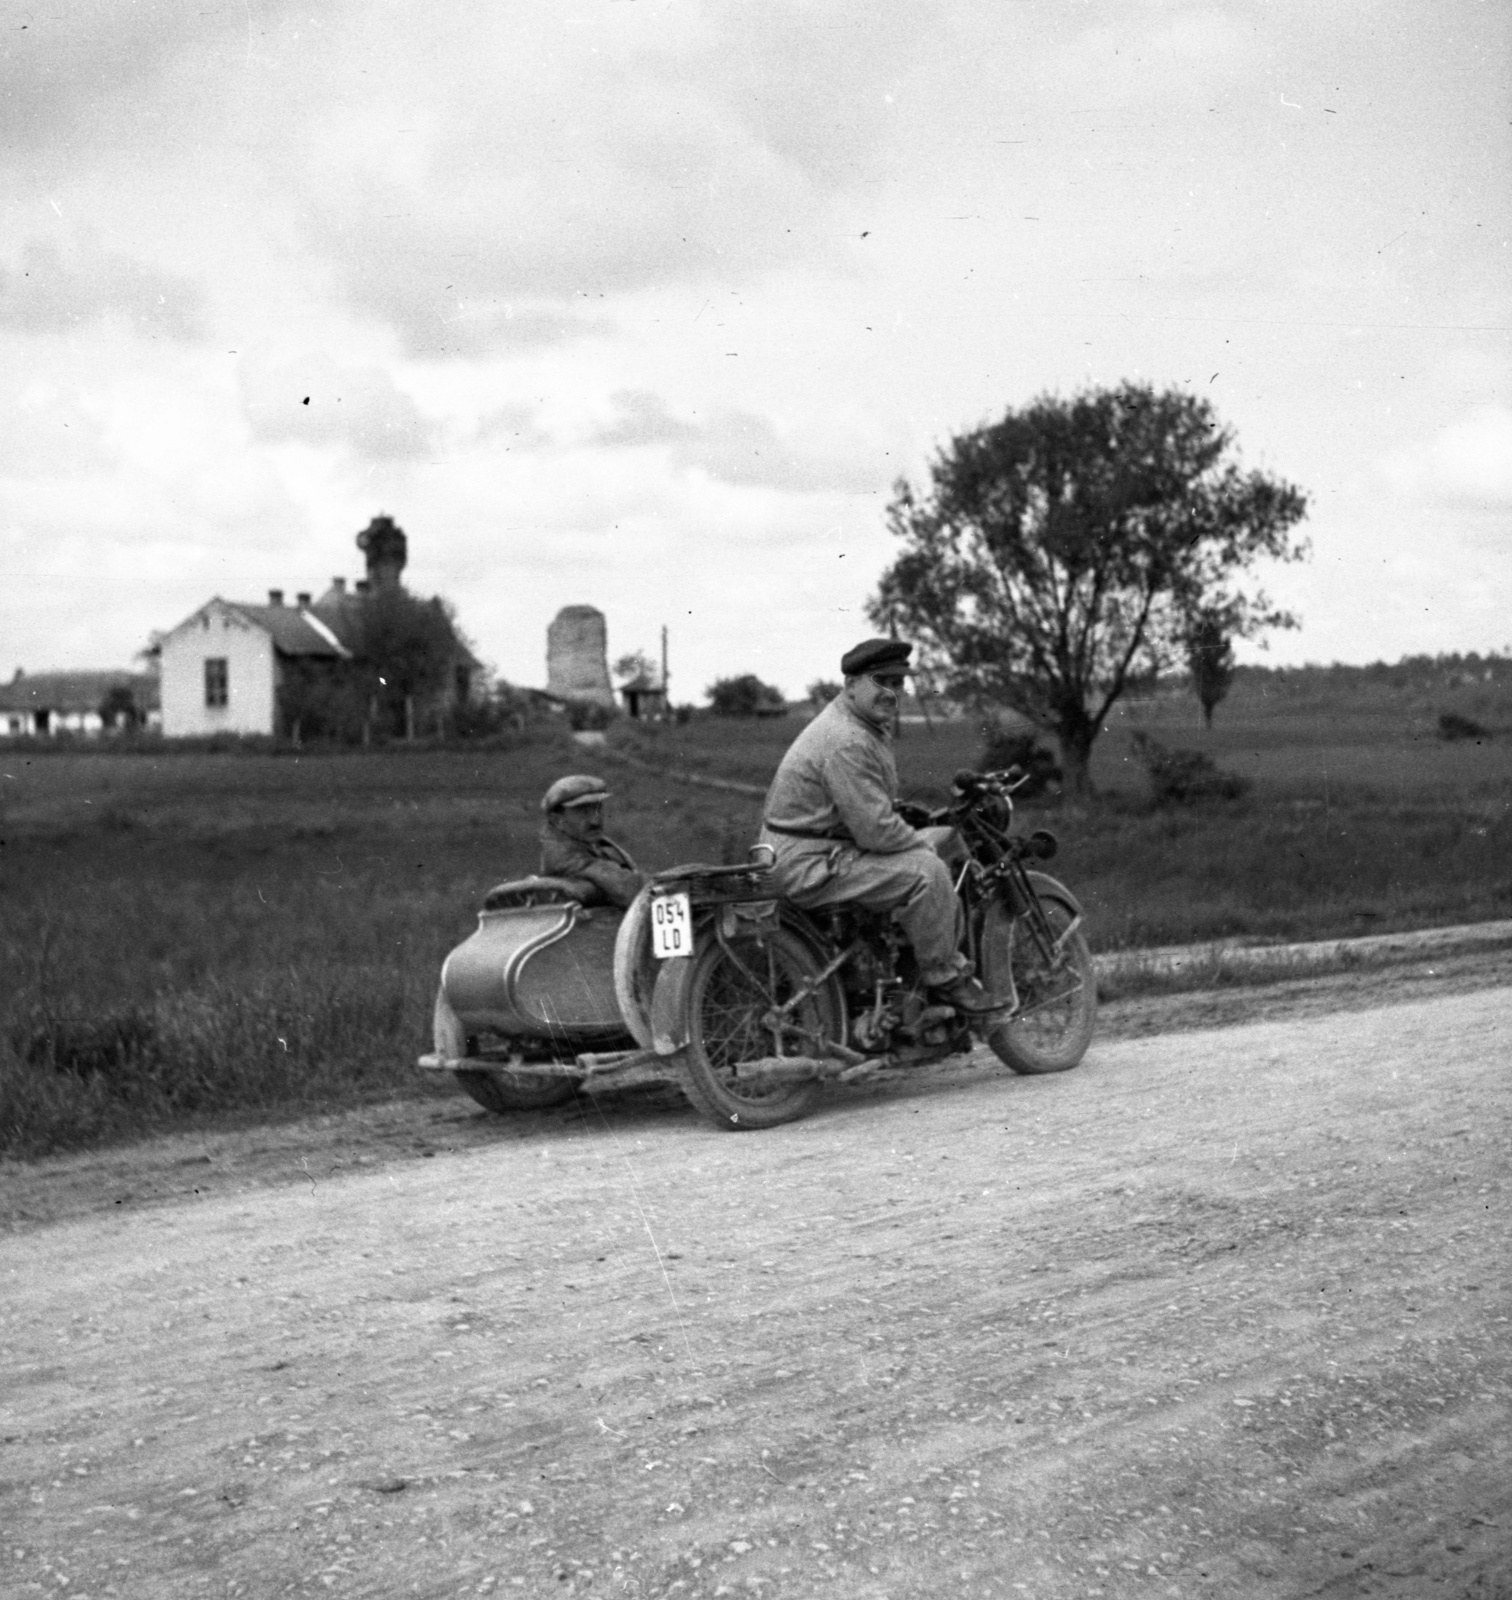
x,y
50,703
220,670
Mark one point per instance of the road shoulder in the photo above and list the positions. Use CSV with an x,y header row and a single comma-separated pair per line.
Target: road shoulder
x,y
187,1167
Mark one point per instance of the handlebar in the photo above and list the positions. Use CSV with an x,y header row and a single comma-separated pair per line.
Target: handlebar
x,y
968,783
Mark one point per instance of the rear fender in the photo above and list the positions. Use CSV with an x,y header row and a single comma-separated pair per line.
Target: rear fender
x,y
669,1005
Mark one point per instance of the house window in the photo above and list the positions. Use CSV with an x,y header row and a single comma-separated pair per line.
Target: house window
x,y
216,681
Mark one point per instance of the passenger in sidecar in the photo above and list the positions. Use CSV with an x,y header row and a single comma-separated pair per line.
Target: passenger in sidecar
x,y
575,846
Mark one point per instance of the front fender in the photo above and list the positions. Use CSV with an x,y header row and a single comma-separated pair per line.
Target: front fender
x,y
1052,888
669,1005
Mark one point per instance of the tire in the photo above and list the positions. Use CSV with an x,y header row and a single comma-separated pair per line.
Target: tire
x,y
726,1000
1043,1036
515,1091
519,1091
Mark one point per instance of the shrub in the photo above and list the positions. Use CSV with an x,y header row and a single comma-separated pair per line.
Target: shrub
x,y
745,696
1185,777
1451,725
588,716
1014,747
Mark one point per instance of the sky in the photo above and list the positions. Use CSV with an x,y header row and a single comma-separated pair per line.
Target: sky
x,y
647,304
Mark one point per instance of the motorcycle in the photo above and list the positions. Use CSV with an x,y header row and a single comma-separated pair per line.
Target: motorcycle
x,y
750,1004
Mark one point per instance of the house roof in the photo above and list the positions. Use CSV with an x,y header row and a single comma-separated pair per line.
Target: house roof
x,y
68,692
295,631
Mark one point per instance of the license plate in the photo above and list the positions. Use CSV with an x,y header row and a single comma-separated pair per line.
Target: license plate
x,y
671,926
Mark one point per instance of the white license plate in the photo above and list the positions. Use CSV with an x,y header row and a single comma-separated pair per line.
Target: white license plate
x,y
671,926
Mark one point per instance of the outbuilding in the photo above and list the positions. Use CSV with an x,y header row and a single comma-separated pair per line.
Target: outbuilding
x,y
44,704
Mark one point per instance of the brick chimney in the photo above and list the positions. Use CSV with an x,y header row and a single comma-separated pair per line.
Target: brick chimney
x,y
304,600
339,585
275,597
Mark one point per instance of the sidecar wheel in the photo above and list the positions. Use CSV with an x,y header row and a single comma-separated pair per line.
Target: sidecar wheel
x,y
518,1092
732,988
1057,1008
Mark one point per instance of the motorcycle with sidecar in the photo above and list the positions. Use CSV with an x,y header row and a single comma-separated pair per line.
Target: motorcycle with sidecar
x,y
750,1004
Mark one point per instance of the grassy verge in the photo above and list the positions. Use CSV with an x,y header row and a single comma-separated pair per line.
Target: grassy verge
x,y
186,936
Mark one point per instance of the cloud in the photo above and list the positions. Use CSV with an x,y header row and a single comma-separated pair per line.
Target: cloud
x,y
534,161
49,291
80,73
740,448
315,401
47,434
1467,464
475,325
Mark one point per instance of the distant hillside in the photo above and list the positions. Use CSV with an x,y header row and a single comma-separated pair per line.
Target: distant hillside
x,y
1472,681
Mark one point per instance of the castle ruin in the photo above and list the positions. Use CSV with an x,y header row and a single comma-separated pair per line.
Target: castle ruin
x,y
577,656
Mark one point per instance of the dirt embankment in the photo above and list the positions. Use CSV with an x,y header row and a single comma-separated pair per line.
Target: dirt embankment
x,y
1223,1312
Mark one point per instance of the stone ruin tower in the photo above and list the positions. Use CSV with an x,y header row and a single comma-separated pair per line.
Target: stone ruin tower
x,y
577,656
386,549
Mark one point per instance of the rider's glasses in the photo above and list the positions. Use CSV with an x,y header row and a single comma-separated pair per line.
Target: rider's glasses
x,y
887,681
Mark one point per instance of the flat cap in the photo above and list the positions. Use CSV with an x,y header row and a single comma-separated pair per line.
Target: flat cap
x,y
578,789
876,655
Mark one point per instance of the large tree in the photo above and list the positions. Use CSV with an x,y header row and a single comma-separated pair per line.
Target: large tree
x,y
1062,554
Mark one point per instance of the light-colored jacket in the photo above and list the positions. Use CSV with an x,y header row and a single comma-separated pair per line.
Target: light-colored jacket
x,y
838,781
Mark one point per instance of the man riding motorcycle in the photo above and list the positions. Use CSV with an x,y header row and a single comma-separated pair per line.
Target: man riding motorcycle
x,y
832,823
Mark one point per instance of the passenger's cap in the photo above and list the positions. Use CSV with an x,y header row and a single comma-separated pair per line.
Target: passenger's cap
x,y
576,790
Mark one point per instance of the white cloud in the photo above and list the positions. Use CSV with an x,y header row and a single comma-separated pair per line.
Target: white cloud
x,y
47,432
741,448
314,400
1467,464
52,291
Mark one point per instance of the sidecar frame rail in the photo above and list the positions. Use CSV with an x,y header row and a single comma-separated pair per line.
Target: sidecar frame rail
x,y
617,1069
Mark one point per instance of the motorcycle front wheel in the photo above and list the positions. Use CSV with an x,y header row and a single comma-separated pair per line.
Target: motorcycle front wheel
x,y
1057,1003
736,986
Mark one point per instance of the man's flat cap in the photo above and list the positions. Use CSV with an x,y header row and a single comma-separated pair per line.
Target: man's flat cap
x,y
576,790
876,655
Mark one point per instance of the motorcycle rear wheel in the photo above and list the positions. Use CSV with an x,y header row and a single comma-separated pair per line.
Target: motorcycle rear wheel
x,y
1057,1011
732,987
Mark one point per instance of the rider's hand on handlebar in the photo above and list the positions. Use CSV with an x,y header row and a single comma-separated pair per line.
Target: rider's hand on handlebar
x,y
916,816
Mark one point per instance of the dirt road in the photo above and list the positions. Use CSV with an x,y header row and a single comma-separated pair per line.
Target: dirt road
x,y
1222,1313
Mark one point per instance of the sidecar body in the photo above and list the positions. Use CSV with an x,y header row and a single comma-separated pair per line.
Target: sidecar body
x,y
550,994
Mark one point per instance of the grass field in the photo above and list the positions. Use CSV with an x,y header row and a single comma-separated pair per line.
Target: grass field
x,y
202,935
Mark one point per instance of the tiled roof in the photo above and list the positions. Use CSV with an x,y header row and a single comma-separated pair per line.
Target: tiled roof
x,y
292,630
66,692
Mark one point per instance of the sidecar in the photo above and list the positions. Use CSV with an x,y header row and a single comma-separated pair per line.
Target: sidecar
x,y
549,994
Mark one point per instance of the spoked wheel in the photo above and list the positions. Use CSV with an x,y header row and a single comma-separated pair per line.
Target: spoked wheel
x,y
497,1092
735,989
1057,1002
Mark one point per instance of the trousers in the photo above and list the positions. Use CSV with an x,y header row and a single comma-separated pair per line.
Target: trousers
x,y
915,885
